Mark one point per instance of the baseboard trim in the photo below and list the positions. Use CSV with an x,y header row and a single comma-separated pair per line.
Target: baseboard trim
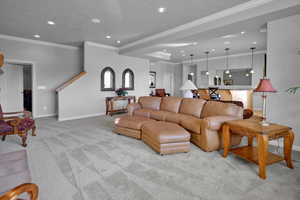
x,y
48,115
274,143
80,117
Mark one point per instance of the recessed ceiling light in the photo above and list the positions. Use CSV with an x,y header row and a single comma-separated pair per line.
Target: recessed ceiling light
x,y
96,20
226,42
243,32
51,22
118,41
213,50
195,43
254,42
108,37
37,36
183,55
162,10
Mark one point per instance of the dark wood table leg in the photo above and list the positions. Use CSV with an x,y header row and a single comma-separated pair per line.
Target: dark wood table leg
x,y
226,139
263,143
24,139
288,145
33,131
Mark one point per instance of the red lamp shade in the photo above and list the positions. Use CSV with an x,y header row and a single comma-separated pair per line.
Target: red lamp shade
x,y
265,86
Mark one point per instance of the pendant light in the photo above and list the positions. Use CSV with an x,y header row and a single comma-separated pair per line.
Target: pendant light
x,y
207,72
227,66
252,58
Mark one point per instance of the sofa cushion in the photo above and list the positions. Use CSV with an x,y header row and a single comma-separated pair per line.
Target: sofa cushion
x,y
174,117
164,132
191,123
142,113
192,106
171,104
215,108
133,122
159,115
150,102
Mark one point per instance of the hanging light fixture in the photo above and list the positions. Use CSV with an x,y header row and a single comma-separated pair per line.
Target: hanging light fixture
x,y
191,55
252,59
207,72
227,66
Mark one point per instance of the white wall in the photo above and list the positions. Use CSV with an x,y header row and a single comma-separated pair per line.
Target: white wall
x,y
54,65
168,76
84,97
235,62
284,72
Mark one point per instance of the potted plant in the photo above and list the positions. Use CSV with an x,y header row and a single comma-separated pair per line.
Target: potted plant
x,y
293,90
121,92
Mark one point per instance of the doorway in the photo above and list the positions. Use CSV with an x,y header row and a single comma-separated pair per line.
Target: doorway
x,y
16,87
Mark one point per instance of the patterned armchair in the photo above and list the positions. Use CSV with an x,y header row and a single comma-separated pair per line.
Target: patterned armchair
x,y
17,123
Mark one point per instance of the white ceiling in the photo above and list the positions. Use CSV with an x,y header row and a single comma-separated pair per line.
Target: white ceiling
x,y
212,37
142,30
124,20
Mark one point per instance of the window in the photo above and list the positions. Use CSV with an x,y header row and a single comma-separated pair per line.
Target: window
x,y
107,79
128,79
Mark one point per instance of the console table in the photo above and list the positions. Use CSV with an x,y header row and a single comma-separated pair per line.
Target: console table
x,y
259,155
109,101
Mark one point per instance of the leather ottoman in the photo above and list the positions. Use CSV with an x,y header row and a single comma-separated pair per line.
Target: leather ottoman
x,y
130,125
165,137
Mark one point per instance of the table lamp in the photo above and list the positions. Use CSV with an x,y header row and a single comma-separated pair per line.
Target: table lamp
x,y
187,87
264,86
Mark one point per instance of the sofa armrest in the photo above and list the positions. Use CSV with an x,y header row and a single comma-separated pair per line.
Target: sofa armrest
x,y
215,122
132,107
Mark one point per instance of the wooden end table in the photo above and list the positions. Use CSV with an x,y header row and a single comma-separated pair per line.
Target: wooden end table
x,y
259,154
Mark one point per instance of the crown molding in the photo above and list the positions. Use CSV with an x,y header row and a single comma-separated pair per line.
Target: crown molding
x,y
213,17
223,57
102,45
167,62
20,39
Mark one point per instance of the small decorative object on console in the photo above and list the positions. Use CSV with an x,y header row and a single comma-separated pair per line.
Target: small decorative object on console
x,y
121,92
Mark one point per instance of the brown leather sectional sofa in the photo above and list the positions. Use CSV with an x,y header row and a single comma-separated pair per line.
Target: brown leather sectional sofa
x,y
202,119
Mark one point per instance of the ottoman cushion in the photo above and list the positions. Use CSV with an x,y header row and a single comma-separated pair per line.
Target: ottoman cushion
x,y
165,132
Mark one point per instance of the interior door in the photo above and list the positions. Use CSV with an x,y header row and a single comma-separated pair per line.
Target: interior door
x,y
11,88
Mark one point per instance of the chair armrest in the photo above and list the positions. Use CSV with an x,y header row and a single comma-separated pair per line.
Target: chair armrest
x,y
13,121
25,113
216,122
132,107
30,188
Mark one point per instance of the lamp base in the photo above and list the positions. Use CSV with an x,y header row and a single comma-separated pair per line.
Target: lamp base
x,y
188,94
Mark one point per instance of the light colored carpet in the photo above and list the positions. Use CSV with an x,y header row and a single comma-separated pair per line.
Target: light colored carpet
x,y
84,160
